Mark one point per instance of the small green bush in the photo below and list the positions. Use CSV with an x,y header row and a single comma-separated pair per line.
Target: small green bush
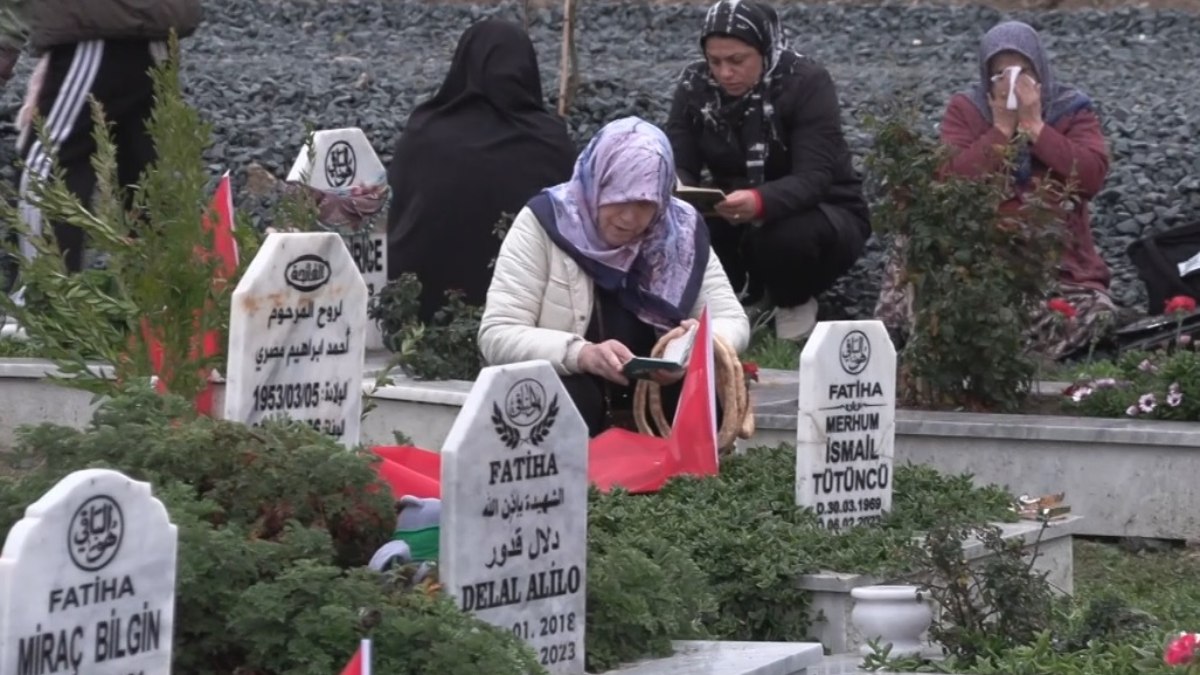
x,y
275,527
976,273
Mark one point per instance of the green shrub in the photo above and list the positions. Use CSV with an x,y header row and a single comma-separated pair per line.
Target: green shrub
x,y
275,525
962,256
152,272
743,530
1163,385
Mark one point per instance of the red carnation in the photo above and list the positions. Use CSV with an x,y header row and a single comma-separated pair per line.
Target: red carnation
x,y
1182,304
1181,650
1063,307
751,370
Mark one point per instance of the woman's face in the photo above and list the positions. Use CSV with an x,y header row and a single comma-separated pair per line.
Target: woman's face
x,y
735,65
623,223
1005,60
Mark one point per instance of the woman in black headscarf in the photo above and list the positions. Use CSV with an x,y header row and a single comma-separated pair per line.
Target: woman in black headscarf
x,y
765,122
481,147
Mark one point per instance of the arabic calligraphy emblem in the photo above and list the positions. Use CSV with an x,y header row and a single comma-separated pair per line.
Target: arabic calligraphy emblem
x,y
855,352
341,164
307,273
525,407
95,533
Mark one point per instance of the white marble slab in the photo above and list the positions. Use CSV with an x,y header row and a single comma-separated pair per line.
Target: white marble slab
x,y
87,580
296,336
846,425
731,658
513,547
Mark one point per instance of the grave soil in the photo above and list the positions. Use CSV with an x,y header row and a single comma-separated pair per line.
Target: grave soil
x,y
1191,6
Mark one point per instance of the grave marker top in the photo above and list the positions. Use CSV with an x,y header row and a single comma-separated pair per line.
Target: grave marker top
x,y
514,511
342,159
846,423
296,336
87,580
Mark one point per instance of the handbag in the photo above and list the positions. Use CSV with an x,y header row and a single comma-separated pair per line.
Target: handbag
x,y
1168,263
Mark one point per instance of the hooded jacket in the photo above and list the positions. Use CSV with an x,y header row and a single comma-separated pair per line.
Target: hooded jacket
x,y
49,23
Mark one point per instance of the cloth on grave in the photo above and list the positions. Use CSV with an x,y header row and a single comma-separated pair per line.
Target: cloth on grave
x,y
480,148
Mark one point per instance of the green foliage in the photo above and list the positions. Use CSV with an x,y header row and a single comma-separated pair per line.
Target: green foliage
x,y
988,606
1163,385
642,593
923,498
976,271
744,532
275,524
1099,630
445,349
153,273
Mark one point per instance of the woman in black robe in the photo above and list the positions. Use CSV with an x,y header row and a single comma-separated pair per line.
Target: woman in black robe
x,y
481,147
765,122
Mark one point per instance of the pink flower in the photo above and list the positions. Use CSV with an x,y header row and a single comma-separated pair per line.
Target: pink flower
x,y
1105,383
1132,411
1147,367
1185,340
1181,650
1080,393
1147,403
1174,395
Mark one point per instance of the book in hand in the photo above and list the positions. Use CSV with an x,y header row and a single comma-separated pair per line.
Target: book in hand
x,y
704,199
674,359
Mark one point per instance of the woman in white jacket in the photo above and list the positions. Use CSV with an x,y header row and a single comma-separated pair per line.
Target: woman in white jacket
x,y
594,270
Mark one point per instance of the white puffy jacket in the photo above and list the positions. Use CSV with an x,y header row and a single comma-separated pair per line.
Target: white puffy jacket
x,y
540,302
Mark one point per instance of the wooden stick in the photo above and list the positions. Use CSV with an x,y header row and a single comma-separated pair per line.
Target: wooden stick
x,y
568,69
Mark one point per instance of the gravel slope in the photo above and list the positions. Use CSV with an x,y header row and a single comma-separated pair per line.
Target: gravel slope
x,y
261,70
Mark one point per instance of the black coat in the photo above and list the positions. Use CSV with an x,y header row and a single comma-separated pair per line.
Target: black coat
x,y
808,163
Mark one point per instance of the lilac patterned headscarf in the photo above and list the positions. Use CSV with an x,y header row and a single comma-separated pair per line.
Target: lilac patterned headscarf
x,y
657,277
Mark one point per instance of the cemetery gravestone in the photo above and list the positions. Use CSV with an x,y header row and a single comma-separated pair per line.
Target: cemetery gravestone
x,y
513,547
296,332
342,161
846,425
87,581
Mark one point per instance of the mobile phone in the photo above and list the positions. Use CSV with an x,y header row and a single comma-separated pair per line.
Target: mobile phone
x,y
640,367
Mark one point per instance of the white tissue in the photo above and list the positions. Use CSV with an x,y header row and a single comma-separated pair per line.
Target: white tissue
x,y
1013,73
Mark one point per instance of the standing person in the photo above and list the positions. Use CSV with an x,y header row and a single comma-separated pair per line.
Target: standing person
x,y
766,123
1058,138
480,148
101,49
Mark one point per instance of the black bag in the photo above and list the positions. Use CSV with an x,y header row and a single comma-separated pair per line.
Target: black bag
x,y
1156,257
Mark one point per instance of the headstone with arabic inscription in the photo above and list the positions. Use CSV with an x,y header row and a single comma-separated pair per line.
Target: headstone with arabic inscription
x,y
342,164
87,580
296,332
846,425
513,547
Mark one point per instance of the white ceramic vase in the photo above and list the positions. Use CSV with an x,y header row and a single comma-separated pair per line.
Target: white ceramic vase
x,y
895,614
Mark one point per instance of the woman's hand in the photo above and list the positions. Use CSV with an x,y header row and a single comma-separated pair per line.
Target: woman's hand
x,y
1029,106
740,206
666,378
606,360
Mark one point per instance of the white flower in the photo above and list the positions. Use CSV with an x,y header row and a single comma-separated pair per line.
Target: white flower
x,y
1147,403
1132,411
1146,367
1174,395
1105,383
1081,393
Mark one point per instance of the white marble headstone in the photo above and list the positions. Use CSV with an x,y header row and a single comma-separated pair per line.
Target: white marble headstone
x,y
513,547
344,159
87,581
846,423
296,332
